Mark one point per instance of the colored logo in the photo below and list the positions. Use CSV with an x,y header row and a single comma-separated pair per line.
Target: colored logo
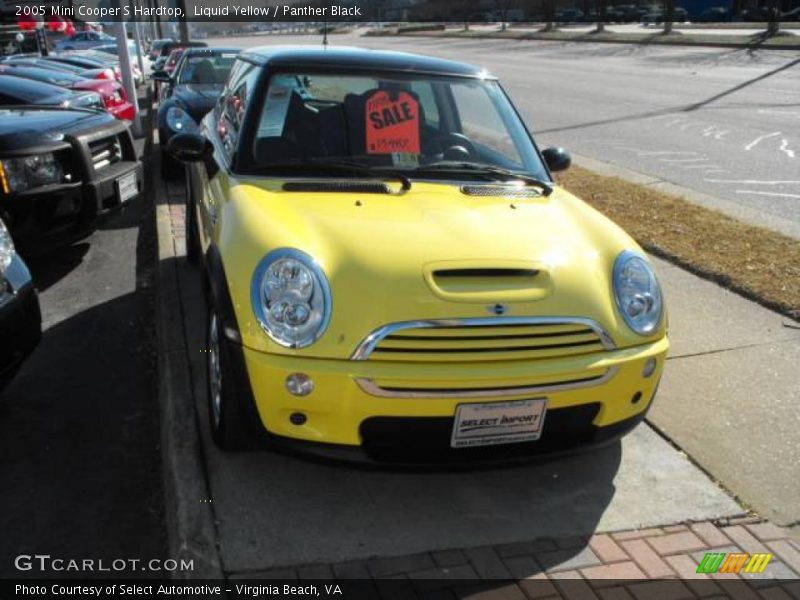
x,y
733,562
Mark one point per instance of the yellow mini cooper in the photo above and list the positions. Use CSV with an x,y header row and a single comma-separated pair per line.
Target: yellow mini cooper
x,y
392,273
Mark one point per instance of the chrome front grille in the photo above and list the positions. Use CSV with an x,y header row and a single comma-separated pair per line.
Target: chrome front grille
x,y
482,339
105,152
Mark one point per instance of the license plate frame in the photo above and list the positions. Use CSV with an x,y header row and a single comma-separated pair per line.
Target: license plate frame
x,y
127,187
493,423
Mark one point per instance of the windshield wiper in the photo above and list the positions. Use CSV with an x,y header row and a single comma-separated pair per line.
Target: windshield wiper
x,y
341,166
487,170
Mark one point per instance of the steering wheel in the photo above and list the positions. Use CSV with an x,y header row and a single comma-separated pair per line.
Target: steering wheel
x,y
458,143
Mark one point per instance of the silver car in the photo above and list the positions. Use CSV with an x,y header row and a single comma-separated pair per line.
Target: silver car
x,y
83,40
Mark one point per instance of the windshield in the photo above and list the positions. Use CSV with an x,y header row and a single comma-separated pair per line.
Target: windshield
x,y
431,125
207,68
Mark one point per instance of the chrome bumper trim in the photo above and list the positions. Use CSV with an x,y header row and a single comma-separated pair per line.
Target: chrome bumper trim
x,y
365,348
373,389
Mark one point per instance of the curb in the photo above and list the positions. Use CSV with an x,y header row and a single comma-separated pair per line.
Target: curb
x,y
190,522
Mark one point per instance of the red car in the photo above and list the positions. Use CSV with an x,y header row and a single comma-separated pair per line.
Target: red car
x,y
172,60
113,93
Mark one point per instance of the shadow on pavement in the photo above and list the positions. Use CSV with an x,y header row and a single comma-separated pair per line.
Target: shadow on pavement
x,y
48,269
79,441
676,109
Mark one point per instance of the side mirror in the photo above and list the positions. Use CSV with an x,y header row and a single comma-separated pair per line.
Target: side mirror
x,y
557,159
160,76
189,147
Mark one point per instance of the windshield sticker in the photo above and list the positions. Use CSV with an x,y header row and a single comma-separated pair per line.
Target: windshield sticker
x,y
392,123
405,160
274,115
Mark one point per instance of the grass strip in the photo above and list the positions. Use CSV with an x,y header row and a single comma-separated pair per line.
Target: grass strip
x,y
754,261
783,41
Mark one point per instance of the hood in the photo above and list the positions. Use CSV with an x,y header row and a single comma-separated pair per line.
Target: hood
x,y
23,128
432,253
198,99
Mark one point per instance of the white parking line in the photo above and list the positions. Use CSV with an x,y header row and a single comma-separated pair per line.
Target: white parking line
x,y
682,160
756,181
767,193
759,139
659,153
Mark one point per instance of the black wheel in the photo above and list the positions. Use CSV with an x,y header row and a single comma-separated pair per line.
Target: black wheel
x,y
192,239
227,419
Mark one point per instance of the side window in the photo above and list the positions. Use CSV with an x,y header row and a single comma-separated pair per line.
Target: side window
x,y
427,99
234,103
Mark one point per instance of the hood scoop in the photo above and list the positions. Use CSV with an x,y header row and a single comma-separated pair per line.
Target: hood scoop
x,y
333,187
501,191
514,281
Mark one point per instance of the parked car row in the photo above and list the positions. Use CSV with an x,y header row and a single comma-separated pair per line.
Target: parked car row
x,y
84,79
67,158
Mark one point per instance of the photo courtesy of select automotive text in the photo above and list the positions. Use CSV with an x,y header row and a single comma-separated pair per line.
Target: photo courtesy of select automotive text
x,y
400,299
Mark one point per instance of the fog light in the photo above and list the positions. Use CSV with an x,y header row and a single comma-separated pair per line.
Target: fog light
x,y
298,418
649,367
299,384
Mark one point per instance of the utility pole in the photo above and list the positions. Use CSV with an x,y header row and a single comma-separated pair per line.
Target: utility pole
x,y
139,48
182,23
127,71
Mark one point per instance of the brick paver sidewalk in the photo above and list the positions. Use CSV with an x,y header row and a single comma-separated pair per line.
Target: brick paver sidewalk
x,y
658,563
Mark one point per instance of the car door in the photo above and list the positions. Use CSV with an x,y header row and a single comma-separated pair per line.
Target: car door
x,y
211,180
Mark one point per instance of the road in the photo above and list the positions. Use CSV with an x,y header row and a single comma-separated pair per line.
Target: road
x,y
720,121
80,463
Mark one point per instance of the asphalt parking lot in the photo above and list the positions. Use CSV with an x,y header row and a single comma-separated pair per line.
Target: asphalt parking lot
x,y
79,440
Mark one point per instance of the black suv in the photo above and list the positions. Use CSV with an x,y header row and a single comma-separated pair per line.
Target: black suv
x,y
60,169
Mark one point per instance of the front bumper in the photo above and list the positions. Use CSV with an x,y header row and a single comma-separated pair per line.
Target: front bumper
x,y
342,414
20,319
54,215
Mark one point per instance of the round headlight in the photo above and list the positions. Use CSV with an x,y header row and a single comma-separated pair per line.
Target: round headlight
x,y
178,120
6,249
291,298
637,293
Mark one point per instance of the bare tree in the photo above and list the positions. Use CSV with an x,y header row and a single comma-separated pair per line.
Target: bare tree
x,y
774,11
502,7
549,15
669,15
460,9
602,15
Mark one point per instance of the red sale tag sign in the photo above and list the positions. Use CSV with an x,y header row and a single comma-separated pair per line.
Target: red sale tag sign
x,y
392,123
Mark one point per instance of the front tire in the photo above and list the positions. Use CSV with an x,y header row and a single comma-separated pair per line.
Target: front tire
x,y
227,419
192,241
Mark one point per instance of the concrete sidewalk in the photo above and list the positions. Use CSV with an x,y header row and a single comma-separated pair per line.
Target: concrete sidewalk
x,y
731,392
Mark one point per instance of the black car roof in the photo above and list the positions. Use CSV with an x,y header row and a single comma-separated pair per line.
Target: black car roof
x,y
39,73
358,59
28,89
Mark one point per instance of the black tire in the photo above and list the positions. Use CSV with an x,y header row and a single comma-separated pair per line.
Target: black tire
x,y
228,422
192,239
